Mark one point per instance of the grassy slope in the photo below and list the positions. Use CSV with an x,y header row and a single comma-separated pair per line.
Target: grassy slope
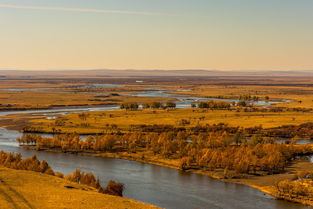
x,y
27,189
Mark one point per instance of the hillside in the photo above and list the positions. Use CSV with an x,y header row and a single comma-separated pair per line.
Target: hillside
x,y
29,190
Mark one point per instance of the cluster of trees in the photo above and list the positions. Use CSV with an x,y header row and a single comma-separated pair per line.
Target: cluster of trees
x,y
261,158
10,160
242,103
84,178
300,188
221,105
207,151
290,131
241,97
214,105
112,187
158,105
264,135
15,161
249,98
153,105
129,106
273,109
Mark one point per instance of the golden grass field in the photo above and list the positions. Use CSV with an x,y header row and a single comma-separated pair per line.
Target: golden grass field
x,y
124,119
30,190
31,99
28,97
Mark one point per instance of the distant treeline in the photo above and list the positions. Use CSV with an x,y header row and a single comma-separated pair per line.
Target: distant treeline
x,y
214,105
242,97
153,105
240,106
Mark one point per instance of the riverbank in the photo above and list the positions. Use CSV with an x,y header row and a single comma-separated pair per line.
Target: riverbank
x,y
265,184
28,189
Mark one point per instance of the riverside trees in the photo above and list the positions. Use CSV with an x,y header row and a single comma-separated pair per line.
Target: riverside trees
x,y
10,160
216,150
301,188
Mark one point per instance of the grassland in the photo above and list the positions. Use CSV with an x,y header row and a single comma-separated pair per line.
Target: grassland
x,y
98,122
27,189
11,100
41,94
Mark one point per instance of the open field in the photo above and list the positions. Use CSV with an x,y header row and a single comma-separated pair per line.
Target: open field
x,y
42,100
298,89
98,122
28,189
29,94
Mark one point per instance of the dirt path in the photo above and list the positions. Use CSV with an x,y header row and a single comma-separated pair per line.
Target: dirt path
x,y
14,198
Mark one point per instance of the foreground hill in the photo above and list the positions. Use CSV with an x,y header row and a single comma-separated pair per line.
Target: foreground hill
x,y
26,189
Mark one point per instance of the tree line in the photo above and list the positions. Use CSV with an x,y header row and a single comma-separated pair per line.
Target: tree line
x,y
206,151
152,105
214,105
268,135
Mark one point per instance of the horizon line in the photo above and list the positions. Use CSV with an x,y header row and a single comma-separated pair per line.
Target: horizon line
x,y
130,69
68,9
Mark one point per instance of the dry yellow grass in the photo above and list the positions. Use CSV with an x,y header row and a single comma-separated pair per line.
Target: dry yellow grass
x,y
124,119
33,99
32,96
294,93
30,190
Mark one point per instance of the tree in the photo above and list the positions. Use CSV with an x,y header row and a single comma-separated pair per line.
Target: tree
x,y
156,105
170,105
242,103
185,163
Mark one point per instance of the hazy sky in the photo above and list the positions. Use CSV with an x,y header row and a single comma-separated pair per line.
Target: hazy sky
x,y
157,34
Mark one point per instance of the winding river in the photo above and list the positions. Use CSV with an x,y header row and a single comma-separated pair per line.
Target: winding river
x,y
164,187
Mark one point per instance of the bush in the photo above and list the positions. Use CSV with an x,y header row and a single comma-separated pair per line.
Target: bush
x,y
114,188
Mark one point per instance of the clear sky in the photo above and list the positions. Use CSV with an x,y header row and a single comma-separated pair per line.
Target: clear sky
x,y
156,34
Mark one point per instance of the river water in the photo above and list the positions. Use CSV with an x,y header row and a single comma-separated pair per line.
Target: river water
x,y
164,187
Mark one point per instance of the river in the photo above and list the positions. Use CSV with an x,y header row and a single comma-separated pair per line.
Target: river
x,y
164,187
